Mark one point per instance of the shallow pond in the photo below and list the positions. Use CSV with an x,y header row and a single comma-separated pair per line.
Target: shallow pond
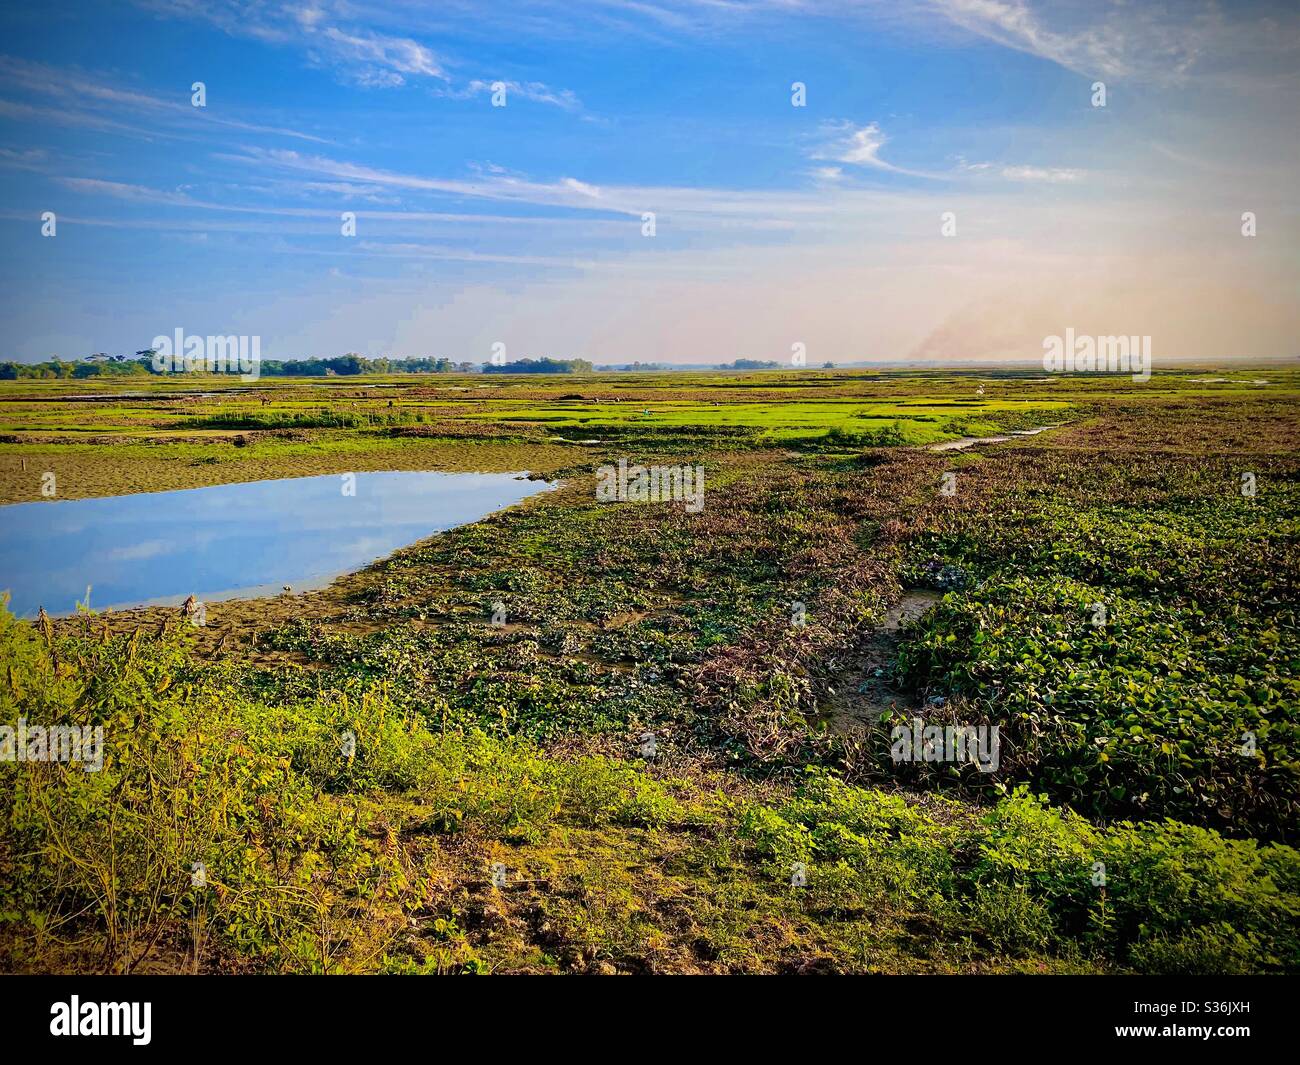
x,y
231,540
970,441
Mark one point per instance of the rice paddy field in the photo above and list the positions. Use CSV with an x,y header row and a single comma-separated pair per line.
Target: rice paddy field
x,y
629,737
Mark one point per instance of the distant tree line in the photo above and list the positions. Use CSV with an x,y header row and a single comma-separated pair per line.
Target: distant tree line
x,y
541,366
352,364
349,365
98,365
749,364
141,364
635,367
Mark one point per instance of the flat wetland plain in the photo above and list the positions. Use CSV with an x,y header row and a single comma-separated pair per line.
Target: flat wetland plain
x,y
625,738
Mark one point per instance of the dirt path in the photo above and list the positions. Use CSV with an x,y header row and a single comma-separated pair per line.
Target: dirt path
x,y
869,688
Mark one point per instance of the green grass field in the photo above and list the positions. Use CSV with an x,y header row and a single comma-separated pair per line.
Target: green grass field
x,y
1142,817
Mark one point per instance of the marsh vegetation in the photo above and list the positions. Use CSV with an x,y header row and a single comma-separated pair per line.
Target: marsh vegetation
x,y
498,809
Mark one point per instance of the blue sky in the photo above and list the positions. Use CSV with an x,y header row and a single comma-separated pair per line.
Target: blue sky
x,y
774,224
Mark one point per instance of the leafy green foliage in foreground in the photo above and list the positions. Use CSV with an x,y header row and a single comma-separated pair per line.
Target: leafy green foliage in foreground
x,y
1132,627
320,855
1164,707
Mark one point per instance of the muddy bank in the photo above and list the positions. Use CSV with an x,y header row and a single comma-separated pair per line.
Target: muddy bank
x,y
869,688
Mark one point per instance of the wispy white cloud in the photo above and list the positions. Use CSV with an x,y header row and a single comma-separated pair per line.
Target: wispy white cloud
x,y
1155,42
534,91
825,203
373,58
68,117
84,101
441,253
358,53
1151,42
859,146
123,191
566,192
1097,49
347,195
141,552
1051,174
862,147
24,159
343,38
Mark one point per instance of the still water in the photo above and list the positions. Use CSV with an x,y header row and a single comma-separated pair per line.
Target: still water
x,y
230,540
